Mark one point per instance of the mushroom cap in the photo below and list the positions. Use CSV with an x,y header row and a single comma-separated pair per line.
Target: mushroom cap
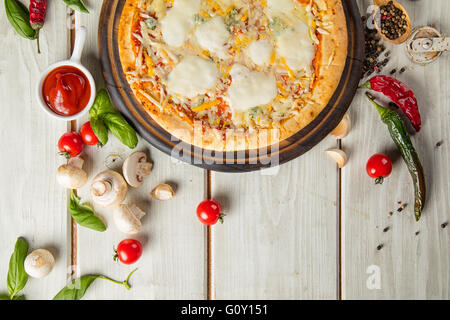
x,y
71,177
127,218
136,168
39,263
108,188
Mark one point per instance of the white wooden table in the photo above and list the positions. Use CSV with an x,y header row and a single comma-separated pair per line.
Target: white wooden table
x,y
309,232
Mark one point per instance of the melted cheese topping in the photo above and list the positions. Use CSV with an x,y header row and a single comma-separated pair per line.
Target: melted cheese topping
x,y
228,63
212,36
295,45
192,76
280,6
178,22
250,88
260,52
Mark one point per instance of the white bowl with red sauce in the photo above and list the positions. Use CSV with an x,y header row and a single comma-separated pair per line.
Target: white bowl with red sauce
x,y
66,89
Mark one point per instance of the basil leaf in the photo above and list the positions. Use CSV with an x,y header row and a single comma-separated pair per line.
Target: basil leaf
x,y
4,297
102,104
19,18
100,130
111,120
22,297
76,289
84,215
77,5
17,277
121,129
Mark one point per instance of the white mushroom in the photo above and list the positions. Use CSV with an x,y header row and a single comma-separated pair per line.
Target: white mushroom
x,y
337,155
128,218
136,168
71,175
39,263
342,129
162,192
108,189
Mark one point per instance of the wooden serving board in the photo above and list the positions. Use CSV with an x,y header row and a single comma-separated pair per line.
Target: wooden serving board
x,y
288,149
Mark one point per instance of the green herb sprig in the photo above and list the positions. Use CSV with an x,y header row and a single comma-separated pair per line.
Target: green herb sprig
x,y
104,118
76,289
84,215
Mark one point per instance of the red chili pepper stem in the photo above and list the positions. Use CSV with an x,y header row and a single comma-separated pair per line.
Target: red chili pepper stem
x,y
379,180
37,40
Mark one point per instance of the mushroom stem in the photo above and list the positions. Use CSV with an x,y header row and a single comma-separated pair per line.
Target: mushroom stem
x,y
138,213
144,168
101,187
76,162
108,189
136,168
128,218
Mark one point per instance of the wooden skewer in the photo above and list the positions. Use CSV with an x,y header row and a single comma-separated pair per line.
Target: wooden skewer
x,y
405,35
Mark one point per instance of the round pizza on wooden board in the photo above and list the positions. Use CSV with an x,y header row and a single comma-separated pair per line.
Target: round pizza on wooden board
x,y
231,75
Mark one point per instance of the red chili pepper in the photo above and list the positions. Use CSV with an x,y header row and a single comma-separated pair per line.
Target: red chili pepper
x,y
400,94
38,9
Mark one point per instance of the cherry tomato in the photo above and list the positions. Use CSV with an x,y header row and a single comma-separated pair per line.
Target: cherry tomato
x,y
128,251
88,135
70,144
379,167
209,212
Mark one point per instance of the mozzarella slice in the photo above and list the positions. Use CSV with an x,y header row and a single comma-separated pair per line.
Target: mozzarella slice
x,y
260,52
295,45
192,76
179,21
212,36
250,88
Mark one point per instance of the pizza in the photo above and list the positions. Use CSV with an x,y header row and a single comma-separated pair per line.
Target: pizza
x,y
231,75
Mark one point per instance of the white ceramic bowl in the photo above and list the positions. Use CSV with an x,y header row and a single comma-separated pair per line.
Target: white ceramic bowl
x,y
74,61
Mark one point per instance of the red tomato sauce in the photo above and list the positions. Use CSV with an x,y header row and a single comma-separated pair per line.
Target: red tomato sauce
x,y
66,90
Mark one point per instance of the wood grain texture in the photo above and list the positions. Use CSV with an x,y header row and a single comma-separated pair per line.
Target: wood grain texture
x,y
32,204
173,265
411,266
279,239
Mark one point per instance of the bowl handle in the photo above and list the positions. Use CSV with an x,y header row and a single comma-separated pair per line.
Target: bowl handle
x,y
80,38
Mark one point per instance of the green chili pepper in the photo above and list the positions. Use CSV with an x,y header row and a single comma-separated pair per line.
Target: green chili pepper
x,y
400,135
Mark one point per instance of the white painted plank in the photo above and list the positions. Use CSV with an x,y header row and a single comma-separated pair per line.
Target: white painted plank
x,y
411,266
279,238
32,204
173,263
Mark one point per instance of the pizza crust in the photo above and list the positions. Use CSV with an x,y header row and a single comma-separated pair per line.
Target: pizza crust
x,y
330,61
